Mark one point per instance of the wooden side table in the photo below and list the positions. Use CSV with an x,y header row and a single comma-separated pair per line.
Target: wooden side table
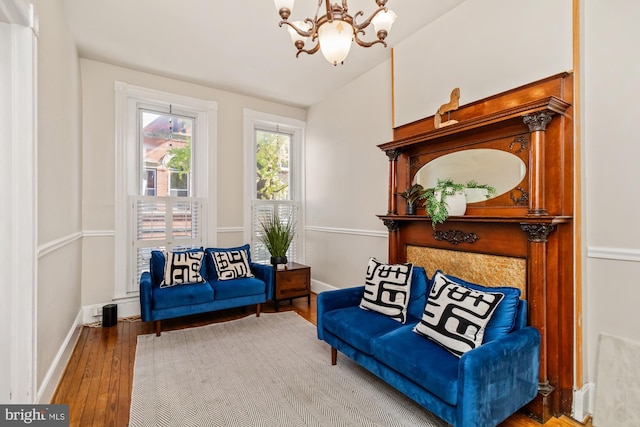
x,y
294,281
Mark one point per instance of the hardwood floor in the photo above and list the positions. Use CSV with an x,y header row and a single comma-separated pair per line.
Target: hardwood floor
x,y
97,380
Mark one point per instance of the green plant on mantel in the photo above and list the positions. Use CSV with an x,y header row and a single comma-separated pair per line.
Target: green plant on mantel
x,y
436,197
414,196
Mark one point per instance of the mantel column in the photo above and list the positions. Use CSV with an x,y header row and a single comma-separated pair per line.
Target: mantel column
x,y
537,124
537,297
393,184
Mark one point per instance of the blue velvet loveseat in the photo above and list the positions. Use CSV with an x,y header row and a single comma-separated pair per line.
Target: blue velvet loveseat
x,y
202,280
474,387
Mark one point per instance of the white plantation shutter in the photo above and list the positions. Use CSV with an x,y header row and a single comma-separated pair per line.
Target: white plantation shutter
x,y
265,208
170,223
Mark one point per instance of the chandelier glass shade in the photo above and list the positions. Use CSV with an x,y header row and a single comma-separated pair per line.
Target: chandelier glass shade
x,y
334,32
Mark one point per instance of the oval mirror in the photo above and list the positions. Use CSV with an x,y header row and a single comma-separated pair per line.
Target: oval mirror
x,y
496,168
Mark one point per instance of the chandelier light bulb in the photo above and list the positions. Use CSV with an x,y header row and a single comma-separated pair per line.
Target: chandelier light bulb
x,y
284,7
335,40
295,37
383,21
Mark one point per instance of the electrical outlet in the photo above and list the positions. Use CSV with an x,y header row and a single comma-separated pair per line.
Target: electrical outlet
x,y
96,311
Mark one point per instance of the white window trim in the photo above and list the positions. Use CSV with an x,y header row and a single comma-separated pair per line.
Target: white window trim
x,y
253,119
127,172
19,219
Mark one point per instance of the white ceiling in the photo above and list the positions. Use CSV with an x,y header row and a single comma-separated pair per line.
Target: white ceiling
x,y
234,45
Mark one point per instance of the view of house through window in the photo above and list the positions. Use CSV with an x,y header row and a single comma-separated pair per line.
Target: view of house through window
x,y
167,216
165,141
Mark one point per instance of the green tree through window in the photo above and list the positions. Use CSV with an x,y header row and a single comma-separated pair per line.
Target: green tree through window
x,y
272,165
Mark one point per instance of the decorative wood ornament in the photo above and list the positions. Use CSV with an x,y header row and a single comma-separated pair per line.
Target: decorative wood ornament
x,y
452,105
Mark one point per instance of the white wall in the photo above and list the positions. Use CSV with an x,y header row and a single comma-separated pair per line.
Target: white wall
x,y
59,186
484,47
611,87
347,179
98,195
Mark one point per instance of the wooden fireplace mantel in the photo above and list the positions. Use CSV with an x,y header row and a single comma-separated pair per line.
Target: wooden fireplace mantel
x,y
533,221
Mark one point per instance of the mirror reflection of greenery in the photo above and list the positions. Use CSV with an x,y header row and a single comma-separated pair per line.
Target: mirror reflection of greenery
x,y
272,166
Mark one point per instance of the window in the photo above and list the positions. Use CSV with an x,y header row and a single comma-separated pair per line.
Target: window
x,y
164,199
274,176
149,183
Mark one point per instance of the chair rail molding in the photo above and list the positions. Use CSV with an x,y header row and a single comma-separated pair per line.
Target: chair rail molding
x,y
614,254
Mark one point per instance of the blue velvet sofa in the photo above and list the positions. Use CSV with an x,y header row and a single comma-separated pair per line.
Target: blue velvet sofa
x,y
158,303
483,387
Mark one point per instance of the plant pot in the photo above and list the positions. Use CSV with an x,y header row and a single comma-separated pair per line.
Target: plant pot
x,y
456,203
474,195
411,209
278,260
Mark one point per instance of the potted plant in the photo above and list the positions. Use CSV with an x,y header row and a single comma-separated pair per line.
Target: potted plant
x,y
449,198
277,235
477,192
414,196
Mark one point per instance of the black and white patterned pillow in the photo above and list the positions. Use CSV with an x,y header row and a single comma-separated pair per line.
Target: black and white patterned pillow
x,y
182,268
386,289
232,264
456,316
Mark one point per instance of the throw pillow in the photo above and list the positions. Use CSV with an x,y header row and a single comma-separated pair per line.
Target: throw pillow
x,y
232,264
387,289
182,268
503,319
455,316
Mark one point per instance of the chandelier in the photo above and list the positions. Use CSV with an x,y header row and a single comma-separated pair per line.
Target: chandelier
x,y
333,32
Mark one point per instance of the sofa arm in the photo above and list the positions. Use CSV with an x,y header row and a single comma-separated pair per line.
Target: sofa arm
x,y
498,378
265,273
332,300
145,296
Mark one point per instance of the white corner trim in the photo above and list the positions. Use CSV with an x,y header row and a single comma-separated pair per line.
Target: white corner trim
x,y
349,231
59,363
583,402
617,254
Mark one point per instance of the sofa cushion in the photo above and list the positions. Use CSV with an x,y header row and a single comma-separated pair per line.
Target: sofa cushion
x,y
420,287
183,295
503,320
387,289
423,361
237,287
358,327
210,269
455,316
182,267
157,263
231,264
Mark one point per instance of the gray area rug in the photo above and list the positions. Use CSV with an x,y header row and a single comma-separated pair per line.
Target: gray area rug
x,y
259,371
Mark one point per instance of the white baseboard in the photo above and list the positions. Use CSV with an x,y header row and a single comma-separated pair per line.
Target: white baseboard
x,y
318,286
51,379
583,401
127,307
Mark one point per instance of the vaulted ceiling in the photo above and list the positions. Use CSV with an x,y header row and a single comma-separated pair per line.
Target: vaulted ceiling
x,y
233,45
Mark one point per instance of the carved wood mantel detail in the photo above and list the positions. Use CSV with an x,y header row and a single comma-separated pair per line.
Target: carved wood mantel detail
x,y
532,222
455,237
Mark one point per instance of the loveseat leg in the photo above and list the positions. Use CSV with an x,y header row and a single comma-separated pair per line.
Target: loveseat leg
x,y
158,327
334,356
